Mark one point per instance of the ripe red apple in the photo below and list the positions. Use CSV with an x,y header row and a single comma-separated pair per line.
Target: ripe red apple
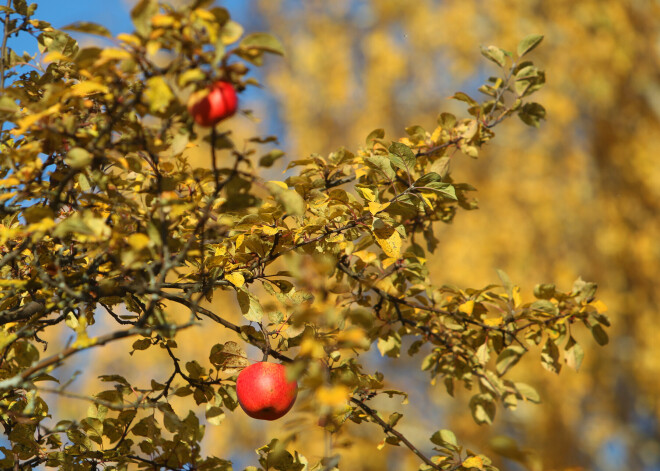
x,y
264,392
219,103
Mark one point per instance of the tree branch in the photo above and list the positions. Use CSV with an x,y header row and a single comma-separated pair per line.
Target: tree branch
x,y
3,48
56,359
387,428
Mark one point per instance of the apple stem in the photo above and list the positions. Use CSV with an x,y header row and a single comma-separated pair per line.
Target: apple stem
x,y
266,348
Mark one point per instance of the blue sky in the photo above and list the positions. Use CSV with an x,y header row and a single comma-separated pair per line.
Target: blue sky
x,y
113,14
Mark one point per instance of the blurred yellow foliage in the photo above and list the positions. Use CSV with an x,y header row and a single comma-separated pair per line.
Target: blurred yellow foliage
x,y
580,197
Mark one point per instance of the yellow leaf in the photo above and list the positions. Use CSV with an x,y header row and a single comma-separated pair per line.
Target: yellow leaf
x,y
269,230
389,240
6,196
204,14
43,225
333,396
473,462
12,283
138,241
9,182
88,87
162,21
516,296
365,256
354,336
368,194
6,339
152,48
388,262
129,38
600,306
311,348
110,54
334,238
239,240
235,279
377,207
435,137
280,184
426,199
83,341
467,307
55,56
26,122
192,75
494,322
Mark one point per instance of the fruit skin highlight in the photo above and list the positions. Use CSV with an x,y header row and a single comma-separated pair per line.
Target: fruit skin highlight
x,y
208,109
264,392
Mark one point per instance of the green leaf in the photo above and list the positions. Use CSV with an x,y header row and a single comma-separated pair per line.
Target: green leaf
x,y
550,357
78,158
228,357
483,408
532,114
214,414
506,281
599,334
544,291
36,213
444,437
264,42
390,346
88,28
447,120
494,54
382,164
573,354
432,181
21,7
250,305
528,393
158,94
231,32
508,358
115,379
460,96
270,158
529,43
142,344
292,202
142,13
394,419
8,104
402,157
545,306
375,134
583,291
195,370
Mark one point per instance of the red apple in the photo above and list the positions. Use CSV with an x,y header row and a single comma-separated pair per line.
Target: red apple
x,y
264,392
207,109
